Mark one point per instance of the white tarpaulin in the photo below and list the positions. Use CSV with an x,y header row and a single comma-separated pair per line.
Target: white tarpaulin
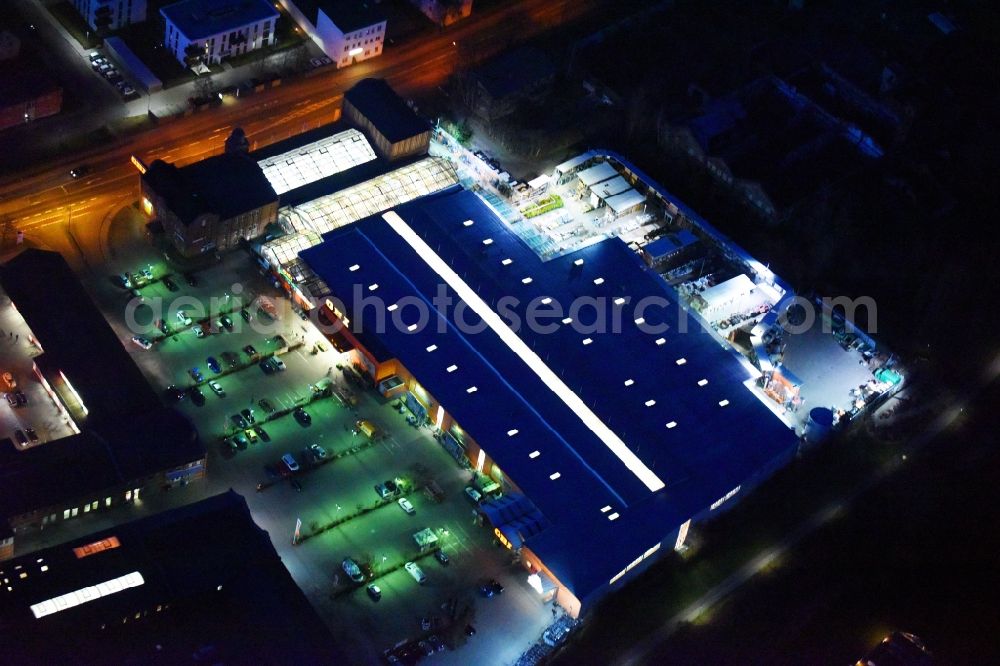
x,y
726,292
596,174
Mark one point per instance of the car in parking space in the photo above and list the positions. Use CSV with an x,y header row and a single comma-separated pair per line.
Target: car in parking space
x,y
382,491
374,591
262,433
183,318
20,436
196,375
442,557
197,397
296,484
290,462
277,363
213,365
474,495
248,415
239,421
318,451
142,341
32,435
199,332
405,505
245,314
266,405
266,366
190,279
241,440
490,588
414,570
226,323
163,326
352,570
251,435
170,284
217,388
250,351
230,359
302,416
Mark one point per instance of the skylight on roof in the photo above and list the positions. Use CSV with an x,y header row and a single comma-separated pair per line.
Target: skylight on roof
x,y
526,280
432,348
392,308
671,425
629,382
452,368
316,160
471,389
373,286
650,403
599,281
488,241
567,320
723,402
354,268
661,341
512,432
578,262
546,300
639,321
681,361
468,223
605,509
507,262
411,328
554,475
534,454
613,516
620,300
702,382
587,341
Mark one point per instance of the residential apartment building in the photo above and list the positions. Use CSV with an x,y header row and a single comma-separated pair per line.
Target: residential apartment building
x,y
347,31
210,205
111,14
219,28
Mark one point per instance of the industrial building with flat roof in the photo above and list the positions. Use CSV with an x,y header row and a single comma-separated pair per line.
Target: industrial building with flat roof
x,y
201,584
617,436
126,440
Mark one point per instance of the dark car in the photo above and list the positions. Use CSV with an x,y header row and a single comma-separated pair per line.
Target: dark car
x,y
170,284
174,394
22,399
213,365
191,280
262,433
245,314
248,415
266,405
250,351
266,366
163,326
490,588
302,416
21,437
32,435
239,421
231,359
196,375
226,322
470,630
295,484
374,591
197,397
442,557
80,171
241,441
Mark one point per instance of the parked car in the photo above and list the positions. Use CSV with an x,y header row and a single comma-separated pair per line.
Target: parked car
x,y
262,433
266,405
183,318
241,440
290,462
32,435
168,283
230,359
490,588
374,591
250,351
442,557
226,323
352,570
197,397
142,341
217,388
196,375
415,571
405,505
245,314
382,491
251,435
239,421
213,365
174,394
266,366
199,332
296,484
474,495
277,363
318,451
302,416
248,415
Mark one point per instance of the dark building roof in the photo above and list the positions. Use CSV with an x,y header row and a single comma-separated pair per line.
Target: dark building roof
x,y
198,19
21,81
226,185
514,71
380,104
723,437
127,435
348,15
212,590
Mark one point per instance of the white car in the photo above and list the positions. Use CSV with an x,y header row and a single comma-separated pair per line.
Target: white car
x,y
414,570
352,570
405,505
142,342
217,388
183,318
277,363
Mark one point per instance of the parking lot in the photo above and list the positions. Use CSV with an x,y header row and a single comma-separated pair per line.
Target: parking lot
x,y
335,489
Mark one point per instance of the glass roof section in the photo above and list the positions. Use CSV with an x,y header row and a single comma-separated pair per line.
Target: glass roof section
x,y
316,160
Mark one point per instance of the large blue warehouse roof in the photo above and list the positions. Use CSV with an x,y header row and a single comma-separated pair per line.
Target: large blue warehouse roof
x,y
612,416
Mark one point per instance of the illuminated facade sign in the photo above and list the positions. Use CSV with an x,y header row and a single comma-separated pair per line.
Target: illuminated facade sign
x,y
87,594
138,164
722,500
